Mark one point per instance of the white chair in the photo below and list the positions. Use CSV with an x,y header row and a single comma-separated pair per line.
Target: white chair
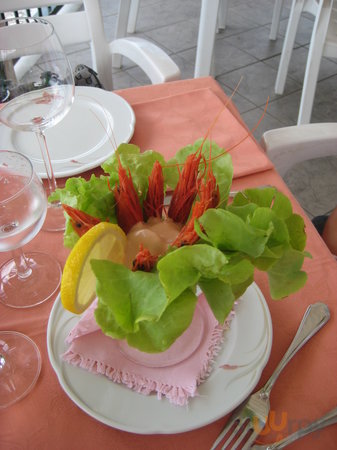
x,y
291,145
214,14
133,15
323,43
206,36
275,21
74,27
213,17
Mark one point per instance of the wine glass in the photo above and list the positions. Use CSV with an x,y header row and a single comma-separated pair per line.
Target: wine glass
x,y
31,278
20,366
36,88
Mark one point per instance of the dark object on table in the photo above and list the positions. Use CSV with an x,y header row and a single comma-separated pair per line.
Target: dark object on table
x,y
85,76
319,223
327,227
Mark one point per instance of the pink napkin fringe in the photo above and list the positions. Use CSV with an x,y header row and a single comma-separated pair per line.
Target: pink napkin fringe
x,y
177,395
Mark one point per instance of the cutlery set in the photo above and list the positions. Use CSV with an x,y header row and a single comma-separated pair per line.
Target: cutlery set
x,y
249,419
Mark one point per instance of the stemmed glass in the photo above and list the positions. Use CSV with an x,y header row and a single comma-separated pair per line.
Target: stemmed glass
x,y
36,88
27,279
20,366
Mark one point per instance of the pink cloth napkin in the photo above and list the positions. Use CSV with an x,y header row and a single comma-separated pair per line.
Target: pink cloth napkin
x,y
190,115
174,374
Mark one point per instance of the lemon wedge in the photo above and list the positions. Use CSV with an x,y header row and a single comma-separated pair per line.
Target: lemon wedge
x,y
78,286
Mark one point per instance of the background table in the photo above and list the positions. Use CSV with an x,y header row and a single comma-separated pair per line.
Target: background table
x,y
48,419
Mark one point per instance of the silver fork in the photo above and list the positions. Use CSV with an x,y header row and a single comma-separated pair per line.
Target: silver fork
x,y
328,419
251,417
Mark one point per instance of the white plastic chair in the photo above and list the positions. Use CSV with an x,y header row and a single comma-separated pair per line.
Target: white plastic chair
x,y
323,43
275,21
214,14
206,35
86,26
213,17
133,15
291,145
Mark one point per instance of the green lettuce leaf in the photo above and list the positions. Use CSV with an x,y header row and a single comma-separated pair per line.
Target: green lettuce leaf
x,y
133,306
219,296
139,164
153,337
92,196
296,229
133,297
283,249
182,268
229,232
285,275
258,196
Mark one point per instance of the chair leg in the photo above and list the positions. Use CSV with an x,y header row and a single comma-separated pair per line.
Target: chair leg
x,y
121,27
275,22
222,15
288,45
133,16
207,27
315,54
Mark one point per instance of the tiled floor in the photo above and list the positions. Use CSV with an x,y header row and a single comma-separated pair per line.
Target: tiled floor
x,y
244,50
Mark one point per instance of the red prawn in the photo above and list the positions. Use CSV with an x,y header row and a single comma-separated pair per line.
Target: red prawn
x,y
144,260
190,183
154,201
80,221
128,208
186,190
209,198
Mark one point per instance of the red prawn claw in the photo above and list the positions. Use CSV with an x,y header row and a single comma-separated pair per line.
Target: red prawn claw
x,y
80,221
144,260
128,208
153,203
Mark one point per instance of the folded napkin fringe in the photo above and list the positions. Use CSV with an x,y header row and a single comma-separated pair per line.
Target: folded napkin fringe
x,y
177,395
214,349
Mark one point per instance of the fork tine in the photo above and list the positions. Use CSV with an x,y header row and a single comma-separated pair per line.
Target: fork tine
x,y
233,434
251,439
247,426
227,428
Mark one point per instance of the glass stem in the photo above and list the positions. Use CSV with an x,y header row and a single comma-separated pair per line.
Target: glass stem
x,y
21,263
47,162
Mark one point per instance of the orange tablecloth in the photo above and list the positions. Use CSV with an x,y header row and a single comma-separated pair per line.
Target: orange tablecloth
x,y
48,419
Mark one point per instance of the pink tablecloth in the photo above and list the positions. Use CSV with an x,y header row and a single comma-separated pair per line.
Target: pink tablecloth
x,y
48,419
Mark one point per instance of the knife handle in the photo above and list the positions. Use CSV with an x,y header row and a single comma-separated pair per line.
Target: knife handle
x,y
313,320
328,419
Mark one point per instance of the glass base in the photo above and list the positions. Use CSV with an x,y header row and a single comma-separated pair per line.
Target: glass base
x,y
20,366
55,220
34,289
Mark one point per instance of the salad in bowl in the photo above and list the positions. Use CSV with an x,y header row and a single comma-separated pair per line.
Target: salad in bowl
x,y
178,230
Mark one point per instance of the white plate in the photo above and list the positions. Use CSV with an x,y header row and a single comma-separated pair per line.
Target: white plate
x,y
96,124
245,353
